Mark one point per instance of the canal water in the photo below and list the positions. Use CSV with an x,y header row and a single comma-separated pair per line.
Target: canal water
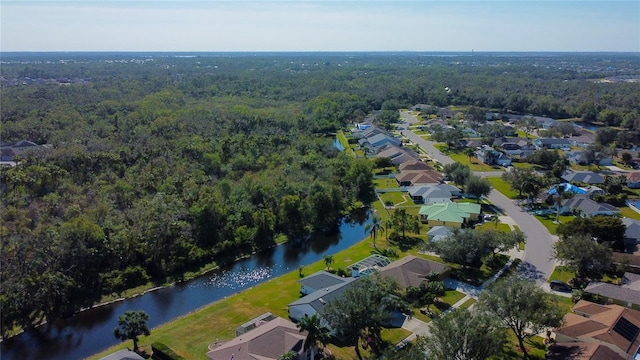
x,y
91,331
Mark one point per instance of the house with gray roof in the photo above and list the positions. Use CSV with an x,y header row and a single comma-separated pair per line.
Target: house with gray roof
x,y
439,233
585,207
124,354
397,155
319,280
430,194
552,143
316,301
587,177
632,234
627,294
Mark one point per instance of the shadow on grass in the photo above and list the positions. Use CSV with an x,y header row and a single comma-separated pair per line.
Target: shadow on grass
x,y
405,243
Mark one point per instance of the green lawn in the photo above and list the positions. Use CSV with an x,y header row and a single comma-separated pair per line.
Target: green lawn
x,y
395,198
345,143
562,273
492,226
629,212
461,158
524,165
549,221
503,187
385,183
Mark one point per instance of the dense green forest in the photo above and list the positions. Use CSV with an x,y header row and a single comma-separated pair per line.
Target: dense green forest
x,y
158,164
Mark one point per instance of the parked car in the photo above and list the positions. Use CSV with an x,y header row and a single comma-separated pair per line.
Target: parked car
x,y
559,286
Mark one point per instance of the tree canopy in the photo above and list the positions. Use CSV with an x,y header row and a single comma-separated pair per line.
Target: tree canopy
x,y
521,306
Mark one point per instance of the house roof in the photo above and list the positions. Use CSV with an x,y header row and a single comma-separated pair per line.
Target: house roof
x,y
266,342
411,270
318,299
397,154
123,354
420,177
321,279
449,212
415,165
440,230
615,292
633,176
588,177
379,139
589,206
612,324
581,351
633,228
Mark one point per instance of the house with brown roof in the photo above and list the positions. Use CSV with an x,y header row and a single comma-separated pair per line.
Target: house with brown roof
x,y
414,165
415,178
613,326
633,179
266,342
412,270
581,351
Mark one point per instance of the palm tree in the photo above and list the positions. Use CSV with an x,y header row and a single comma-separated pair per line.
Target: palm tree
x,y
496,221
560,195
373,228
316,332
328,260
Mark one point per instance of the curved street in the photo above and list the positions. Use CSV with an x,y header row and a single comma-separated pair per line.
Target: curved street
x,y
537,263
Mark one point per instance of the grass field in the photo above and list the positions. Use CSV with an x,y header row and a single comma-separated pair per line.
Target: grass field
x,y
394,198
385,183
503,187
549,221
629,212
562,273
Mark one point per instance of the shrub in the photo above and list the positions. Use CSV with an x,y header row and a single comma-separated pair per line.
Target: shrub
x,y
163,352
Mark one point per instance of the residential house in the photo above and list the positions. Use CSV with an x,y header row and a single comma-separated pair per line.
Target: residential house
x,y
552,143
632,233
124,354
319,280
469,143
585,207
413,271
633,180
450,214
414,164
491,156
545,122
439,233
592,191
612,325
587,177
578,157
430,194
627,294
314,303
397,155
415,178
10,151
581,351
445,113
268,341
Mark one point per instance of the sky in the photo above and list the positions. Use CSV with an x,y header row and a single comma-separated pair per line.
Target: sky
x,y
357,25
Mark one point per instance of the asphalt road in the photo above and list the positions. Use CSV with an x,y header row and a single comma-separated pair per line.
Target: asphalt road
x,y
537,263
424,144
